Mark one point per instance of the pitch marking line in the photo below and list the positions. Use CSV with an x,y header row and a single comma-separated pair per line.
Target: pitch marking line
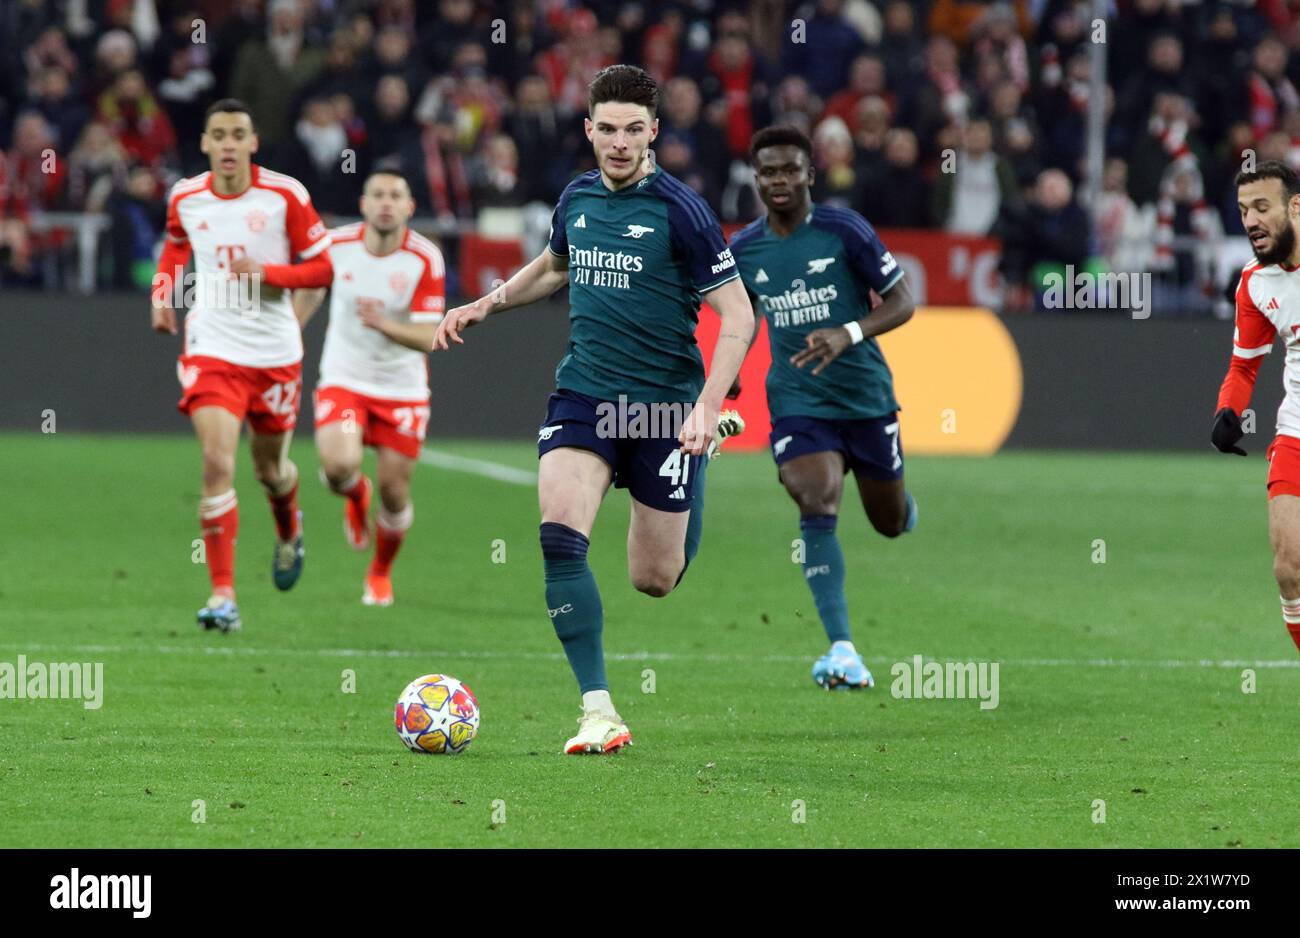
x,y
478,467
232,650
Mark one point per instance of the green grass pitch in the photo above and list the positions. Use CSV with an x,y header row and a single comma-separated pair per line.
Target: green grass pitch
x,y
1120,682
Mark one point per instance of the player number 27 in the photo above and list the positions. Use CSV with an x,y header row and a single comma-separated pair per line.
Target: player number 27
x,y
411,421
676,468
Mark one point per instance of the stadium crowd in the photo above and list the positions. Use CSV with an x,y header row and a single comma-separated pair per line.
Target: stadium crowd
x,y
480,105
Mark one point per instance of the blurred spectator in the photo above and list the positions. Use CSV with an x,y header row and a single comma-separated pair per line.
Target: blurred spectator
x,y
115,53
1164,73
138,212
454,26
1271,92
269,71
897,195
901,48
676,155
866,79
186,93
1227,162
941,96
96,166
1123,230
65,112
830,45
873,126
968,200
32,180
960,20
1051,233
795,104
680,114
314,155
15,245
737,78
390,129
1065,138
393,55
572,62
1169,137
1132,34
1186,235
496,182
132,113
994,36
836,181
525,38
538,129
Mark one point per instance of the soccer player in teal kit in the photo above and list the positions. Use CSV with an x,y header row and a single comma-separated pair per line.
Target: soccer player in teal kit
x,y
810,270
638,250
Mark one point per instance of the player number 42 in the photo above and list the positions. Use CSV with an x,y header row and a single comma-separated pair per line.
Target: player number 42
x,y
282,399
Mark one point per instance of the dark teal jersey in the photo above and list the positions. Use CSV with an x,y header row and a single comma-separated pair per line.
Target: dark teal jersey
x,y
820,275
639,259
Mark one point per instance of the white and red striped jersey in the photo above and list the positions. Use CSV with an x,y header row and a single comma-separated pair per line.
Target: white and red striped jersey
x,y
1268,305
272,221
409,283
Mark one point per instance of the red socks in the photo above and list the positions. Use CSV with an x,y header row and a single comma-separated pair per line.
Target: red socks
x,y
1291,616
219,518
284,508
390,530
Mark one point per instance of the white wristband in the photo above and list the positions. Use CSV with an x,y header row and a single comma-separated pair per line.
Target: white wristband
x,y
855,331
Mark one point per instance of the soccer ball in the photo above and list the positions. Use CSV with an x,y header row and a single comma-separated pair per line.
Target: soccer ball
x,y
437,713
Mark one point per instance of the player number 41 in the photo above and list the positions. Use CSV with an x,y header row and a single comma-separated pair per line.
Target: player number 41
x,y
677,468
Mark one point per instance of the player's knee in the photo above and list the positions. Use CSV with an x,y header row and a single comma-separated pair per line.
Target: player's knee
x,y
218,466
338,473
817,500
1286,570
657,582
890,525
394,495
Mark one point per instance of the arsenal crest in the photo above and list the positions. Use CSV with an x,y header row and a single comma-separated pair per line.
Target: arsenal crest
x,y
256,221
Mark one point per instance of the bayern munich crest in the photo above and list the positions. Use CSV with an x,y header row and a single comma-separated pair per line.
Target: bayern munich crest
x,y
256,221
399,282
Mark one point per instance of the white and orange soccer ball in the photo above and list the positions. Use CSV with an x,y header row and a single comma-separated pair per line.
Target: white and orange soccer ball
x,y
437,714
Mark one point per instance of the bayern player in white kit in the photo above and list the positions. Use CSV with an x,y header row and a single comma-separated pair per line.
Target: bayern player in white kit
x,y
1268,305
386,302
242,357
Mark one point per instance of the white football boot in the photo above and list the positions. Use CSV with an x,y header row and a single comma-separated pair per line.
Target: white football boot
x,y
599,731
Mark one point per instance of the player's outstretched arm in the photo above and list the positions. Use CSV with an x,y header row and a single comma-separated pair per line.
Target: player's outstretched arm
x,y
734,338
826,345
536,280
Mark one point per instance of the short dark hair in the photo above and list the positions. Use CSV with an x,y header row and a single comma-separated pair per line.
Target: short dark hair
x,y
626,84
1272,169
383,171
780,136
229,106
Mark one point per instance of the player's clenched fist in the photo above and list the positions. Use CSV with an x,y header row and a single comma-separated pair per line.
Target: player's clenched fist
x,y
457,320
1227,432
164,319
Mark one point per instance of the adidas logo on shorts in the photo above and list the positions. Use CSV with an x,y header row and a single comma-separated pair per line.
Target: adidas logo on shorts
x,y
679,495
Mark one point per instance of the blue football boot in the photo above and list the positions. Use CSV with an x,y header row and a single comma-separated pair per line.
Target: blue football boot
x,y
842,668
286,562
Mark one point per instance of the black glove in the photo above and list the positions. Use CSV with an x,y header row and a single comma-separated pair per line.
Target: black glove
x,y
1227,431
